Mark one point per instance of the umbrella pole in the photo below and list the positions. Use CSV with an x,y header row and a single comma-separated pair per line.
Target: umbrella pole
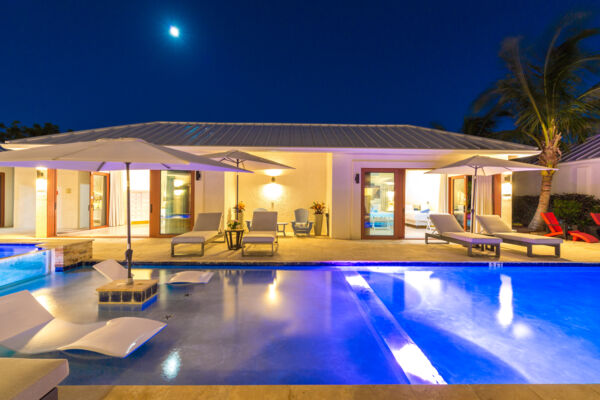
x,y
237,190
473,194
128,252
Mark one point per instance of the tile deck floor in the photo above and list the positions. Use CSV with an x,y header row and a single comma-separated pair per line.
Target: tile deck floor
x,y
326,392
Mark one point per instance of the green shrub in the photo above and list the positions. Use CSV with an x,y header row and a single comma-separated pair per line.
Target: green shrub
x,y
524,207
569,211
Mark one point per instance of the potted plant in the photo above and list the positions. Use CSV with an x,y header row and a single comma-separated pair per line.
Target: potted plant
x,y
238,210
319,208
233,224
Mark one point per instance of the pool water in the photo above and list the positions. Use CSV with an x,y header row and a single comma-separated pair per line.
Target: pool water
x,y
347,325
13,249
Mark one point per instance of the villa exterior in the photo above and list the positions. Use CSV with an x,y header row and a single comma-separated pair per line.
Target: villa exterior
x,y
579,172
372,178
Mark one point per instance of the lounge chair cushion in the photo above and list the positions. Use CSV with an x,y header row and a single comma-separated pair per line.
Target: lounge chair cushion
x,y
24,378
111,270
208,221
529,238
445,223
260,237
191,277
194,237
493,224
473,238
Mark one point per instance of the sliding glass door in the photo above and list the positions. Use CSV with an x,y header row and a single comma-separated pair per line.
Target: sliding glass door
x,y
382,206
459,200
171,202
98,200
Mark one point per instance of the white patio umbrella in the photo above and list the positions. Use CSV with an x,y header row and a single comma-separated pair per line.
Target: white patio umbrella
x,y
110,155
246,161
484,166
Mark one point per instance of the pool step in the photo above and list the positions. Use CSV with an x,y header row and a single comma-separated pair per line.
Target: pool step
x,y
413,362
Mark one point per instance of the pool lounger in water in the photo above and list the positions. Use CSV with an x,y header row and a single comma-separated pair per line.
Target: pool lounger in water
x,y
111,270
191,277
32,330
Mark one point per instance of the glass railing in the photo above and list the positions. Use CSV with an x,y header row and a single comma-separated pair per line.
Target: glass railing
x,y
20,268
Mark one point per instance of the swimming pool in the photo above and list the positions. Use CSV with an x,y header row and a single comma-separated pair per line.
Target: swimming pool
x,y
348,325
22,262
13,249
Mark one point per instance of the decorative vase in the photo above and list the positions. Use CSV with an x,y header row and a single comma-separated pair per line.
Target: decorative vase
x,y
318,224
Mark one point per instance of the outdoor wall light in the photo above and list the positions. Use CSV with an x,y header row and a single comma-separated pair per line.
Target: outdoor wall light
x,y
273,172
506,188
272,191
41,182
357,178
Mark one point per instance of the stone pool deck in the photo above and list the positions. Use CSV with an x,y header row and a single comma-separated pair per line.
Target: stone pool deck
x,y
315,249
334,392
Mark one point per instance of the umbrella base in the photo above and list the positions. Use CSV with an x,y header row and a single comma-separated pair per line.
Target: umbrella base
x,y
119,293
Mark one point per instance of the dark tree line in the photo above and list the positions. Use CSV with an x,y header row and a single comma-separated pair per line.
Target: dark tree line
x,y
17,131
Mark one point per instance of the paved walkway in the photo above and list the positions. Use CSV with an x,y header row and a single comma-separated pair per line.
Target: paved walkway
x,y
311,249
334,392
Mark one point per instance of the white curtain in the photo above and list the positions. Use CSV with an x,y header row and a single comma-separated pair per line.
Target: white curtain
x,y
443,195
483,198
116,211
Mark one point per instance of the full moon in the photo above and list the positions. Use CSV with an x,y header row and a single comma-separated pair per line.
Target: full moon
x,y
174,31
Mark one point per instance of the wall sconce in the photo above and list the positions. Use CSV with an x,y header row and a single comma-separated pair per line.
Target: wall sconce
x,y
41,181
506,188
357,178
272,191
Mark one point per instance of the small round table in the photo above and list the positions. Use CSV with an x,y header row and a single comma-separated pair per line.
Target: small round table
x,y
233,237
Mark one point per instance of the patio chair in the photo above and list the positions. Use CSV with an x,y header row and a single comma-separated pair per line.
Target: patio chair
x,y
24,378
494,225
596,219
112,271
301,225
557,230
449,230
206,229
28,328
263,231
249,223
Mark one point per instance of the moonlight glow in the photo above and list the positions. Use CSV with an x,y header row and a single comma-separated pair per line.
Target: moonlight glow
x,y
174,31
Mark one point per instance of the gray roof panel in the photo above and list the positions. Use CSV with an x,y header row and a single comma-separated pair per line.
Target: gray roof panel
x,y
584,151
285,135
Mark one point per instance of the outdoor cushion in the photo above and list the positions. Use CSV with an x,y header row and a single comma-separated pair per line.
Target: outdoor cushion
x,y
474,238
194,237
24,378
111,270
445,223
208,221
493,224
259,237
529,238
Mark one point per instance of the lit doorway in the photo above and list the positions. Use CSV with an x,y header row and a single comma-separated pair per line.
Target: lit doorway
x,y
382,205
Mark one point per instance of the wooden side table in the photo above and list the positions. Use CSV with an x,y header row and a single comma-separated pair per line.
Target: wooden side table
x,y
233,237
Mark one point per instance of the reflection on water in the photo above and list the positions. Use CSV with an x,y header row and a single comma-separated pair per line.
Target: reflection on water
x,y
505,313
171,366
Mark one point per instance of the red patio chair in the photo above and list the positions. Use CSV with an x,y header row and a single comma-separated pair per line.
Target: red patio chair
x,y
596,218
557,230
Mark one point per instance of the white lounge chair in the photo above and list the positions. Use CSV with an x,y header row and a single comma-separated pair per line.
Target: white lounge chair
x,y
205,230
28,328
249,223
25,378
111,270
449,230
191,277
264,231
494,225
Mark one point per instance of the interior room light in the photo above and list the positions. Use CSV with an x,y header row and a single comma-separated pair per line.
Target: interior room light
x,y
178,183
178,192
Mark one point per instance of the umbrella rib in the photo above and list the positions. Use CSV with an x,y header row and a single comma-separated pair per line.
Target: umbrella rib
x,y
100,166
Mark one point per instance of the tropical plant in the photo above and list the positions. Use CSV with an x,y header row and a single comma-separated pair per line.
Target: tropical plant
x,y
318,207
240,207
17,131
551,99
234,224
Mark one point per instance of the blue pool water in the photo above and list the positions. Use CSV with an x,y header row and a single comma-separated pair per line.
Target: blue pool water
x,y
347,325
24,267
13,249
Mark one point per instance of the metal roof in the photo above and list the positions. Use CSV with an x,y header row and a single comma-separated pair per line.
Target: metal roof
x,y
584,151
285,135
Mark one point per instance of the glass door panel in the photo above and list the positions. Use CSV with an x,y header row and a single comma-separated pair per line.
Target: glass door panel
x,y
379,199
99,200
459,199
175,202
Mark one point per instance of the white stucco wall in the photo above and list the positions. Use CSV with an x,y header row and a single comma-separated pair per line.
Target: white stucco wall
x,y
24,203
9,195
67,200
293,189
575,177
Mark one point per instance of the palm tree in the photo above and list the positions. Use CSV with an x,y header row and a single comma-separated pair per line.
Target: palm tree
x,y
550,100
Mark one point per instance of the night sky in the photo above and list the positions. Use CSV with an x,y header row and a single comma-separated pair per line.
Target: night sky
x,y
83,64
